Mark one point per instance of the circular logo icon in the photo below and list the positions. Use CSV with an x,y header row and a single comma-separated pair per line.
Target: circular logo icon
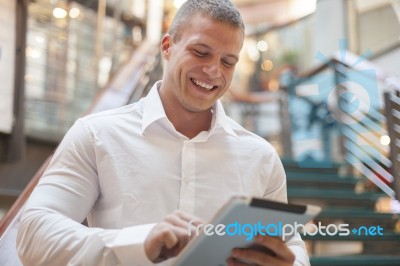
x,y
353,105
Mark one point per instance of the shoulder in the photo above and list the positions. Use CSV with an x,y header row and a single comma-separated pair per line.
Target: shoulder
x,y
248,139
125,114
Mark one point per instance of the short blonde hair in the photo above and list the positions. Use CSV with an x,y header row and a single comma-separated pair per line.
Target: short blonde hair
x,y
219,10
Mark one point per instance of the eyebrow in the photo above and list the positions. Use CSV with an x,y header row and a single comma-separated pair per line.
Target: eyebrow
x,y
209,47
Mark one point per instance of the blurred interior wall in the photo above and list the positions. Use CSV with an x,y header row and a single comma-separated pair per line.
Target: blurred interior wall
x,y
330,26
154,20
7,60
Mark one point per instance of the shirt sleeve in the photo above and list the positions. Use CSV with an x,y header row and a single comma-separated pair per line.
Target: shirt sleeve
x,y
277,190
51,230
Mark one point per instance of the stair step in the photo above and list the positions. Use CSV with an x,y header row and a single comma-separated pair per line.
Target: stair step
x,y
333,197
355,214
311,166
387,236
320,181
356,260
332,193
322,176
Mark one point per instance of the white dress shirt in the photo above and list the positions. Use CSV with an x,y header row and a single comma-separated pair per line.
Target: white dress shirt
x,y
128,168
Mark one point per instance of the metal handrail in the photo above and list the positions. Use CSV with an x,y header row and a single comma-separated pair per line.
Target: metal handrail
x,y
369,120
392,106
336,59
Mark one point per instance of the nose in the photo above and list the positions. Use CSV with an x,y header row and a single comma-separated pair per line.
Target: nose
x,y
212,68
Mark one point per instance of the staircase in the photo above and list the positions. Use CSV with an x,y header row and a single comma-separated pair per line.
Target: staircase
x,y
344,200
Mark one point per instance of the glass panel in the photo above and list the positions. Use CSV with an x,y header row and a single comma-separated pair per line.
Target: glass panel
x,y
62,63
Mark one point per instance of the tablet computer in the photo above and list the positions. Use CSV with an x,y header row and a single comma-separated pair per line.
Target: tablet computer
x,y
237,223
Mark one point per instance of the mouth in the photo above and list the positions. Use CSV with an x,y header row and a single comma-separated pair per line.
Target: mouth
x,y
203,85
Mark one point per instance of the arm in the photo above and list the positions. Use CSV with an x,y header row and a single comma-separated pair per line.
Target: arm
x,y
51,232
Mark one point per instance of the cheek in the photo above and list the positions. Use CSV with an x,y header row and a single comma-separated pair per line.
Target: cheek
x,y
183,67
228,76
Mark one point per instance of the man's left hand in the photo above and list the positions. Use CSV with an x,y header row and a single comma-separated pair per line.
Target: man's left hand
x,y
275,253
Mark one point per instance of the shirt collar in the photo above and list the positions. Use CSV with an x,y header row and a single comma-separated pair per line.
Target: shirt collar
x,y
153,110
221,119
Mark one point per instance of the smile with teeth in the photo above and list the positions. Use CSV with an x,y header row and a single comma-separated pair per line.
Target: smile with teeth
x,y
203,85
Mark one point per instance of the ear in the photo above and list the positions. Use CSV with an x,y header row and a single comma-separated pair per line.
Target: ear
x,y
166,43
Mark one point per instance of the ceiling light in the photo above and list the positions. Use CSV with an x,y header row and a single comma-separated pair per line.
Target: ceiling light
x,y
59,12
384,140
262,46
74,12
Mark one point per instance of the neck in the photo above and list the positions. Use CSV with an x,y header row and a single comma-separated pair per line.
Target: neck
x,y
190,124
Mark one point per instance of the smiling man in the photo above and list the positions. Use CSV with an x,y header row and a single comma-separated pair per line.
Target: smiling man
x,y
141,173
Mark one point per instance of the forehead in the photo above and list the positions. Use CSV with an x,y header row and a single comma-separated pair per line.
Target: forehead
x,y
202,29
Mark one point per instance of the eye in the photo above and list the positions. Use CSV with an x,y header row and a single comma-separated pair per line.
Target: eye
x,y
228,63
200,53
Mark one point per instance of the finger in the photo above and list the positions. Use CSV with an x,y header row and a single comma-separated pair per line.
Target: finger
x,y
189,218
176,221
168,251
181,220
173,236
253,257
235,262
160,237
167,242
183,237
192,228
167,237
187,221
277,246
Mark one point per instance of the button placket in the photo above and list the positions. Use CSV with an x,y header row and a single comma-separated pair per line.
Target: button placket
x,y
187,192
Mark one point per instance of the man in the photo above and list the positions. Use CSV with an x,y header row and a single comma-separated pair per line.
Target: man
x,y
143,172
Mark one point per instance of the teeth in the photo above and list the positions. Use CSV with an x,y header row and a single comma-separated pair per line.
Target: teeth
x,y
203,85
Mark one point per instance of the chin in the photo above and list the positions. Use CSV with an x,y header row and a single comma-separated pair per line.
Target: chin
x,y
197,109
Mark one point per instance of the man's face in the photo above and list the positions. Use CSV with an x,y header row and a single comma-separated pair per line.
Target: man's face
x,y
199,66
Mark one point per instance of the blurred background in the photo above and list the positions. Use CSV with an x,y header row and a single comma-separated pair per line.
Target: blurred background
x,y
320,80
